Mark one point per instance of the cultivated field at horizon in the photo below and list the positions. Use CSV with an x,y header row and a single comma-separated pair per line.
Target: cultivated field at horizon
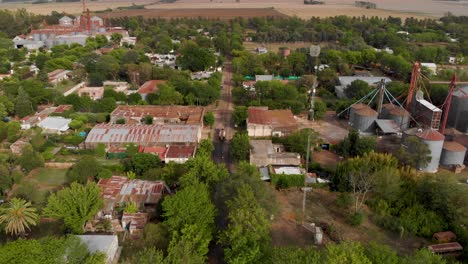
x,y
398,8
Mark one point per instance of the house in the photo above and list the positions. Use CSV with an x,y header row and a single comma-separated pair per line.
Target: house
x,y
95,93
162,114
262,122
129,41
113,135
157,150
58,76
432,67
264,153
180,154
149,87
345,82
118,190
107,244
134,223
28,122
18,146
54,125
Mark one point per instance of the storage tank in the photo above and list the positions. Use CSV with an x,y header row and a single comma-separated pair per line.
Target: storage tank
x,y
386,108
353,110
400,116
43,37
37,37
453,153
458,114
435,141
364,120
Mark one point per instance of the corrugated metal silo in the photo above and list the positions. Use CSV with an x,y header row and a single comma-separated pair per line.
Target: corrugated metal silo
x,y
364,120
453,153
400,116
353,110
458,114
408,133
386,108
434,140
36,37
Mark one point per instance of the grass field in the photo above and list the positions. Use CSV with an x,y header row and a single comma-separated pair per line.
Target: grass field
x,y
48,178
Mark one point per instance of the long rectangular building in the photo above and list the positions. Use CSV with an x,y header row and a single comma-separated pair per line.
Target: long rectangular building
x,y
113,135
133,114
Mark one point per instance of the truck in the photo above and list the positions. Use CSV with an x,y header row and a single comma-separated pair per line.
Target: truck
x,y
222,134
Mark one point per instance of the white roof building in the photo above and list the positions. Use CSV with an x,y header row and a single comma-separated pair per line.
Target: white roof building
x,y
55,124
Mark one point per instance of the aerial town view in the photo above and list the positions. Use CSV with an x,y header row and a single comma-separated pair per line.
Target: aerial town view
x,y
233,131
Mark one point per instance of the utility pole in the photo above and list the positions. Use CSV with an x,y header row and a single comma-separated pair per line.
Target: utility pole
x,y
306,189
381,96
312,101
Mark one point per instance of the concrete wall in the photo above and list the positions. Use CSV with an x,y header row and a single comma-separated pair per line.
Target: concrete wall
x,y
255,130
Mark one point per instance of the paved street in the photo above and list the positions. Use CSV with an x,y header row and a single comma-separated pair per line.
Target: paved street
x,y
223,119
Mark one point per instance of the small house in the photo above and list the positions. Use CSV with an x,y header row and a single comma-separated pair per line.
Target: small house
x,y
54,125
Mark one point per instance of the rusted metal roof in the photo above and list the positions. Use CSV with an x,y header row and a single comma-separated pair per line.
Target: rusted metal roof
x,y
359,106
136,221
431,135
118,189
274,118
398,111
160,151
185,114
178,152
454,146
150,86
445,247
63,108
447,235
144,134
366,112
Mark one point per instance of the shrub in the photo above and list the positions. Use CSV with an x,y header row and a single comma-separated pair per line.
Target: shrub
x,y
283,181
355,219
344,200
104,174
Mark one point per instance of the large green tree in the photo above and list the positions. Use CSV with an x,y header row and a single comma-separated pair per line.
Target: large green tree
x,y
85,169
194,57
75,205
240,146
248,231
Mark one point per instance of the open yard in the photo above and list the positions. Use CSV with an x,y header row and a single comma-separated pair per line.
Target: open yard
x,y
321,208
47,178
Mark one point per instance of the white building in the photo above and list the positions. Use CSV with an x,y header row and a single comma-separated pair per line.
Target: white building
x,y
54,125
58,76
107,244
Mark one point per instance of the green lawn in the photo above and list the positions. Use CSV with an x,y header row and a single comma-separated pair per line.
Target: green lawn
x,y
49,177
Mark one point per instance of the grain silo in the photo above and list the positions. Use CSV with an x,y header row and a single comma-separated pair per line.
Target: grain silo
x,y
353,110
386,108
458,114
400,116
364,120
453,153
434,141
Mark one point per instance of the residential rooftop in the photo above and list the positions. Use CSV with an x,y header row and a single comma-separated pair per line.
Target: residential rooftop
x,y
160,113
273,118
150,86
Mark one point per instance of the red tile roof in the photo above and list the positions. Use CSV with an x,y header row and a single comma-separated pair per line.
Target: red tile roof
x,y
150,86
274,118
177,152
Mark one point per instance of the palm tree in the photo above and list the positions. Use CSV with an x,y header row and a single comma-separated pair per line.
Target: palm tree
x,y
18,216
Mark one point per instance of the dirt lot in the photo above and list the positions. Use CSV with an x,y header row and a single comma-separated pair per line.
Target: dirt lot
x,y
213,13
321,209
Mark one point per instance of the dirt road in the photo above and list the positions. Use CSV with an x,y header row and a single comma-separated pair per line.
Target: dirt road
x,y
222,115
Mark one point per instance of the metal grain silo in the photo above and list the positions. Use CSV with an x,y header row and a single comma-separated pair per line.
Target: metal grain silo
x,y
386,108
434,140
453,153
458,114
364,120
36,37
353,110
400,116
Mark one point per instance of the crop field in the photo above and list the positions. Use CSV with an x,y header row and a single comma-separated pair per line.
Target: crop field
x,y
226,9
211,13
